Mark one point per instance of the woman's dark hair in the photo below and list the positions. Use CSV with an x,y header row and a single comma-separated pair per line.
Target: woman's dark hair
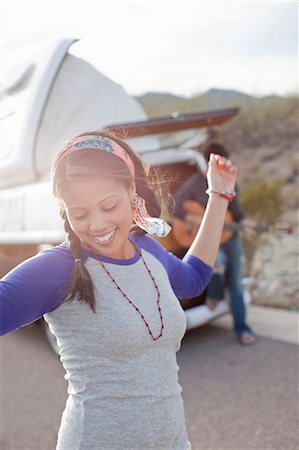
x,y
90,162
216,148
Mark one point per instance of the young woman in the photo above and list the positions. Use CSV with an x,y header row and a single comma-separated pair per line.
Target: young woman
x,y
110,295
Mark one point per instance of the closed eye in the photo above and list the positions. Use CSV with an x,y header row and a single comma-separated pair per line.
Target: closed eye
x,y
110,208
80,217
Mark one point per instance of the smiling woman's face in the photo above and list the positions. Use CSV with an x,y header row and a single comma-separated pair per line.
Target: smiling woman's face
x,y
100,213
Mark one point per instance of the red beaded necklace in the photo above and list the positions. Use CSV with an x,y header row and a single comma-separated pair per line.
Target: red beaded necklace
x,y
130,301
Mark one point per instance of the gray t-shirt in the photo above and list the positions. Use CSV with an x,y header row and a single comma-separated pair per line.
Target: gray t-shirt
x,y
123,390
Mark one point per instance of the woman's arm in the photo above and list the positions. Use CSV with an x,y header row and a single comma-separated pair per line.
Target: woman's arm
x,y
34,288
221,177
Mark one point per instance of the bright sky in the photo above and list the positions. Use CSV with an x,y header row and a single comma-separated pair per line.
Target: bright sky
x,y
180,46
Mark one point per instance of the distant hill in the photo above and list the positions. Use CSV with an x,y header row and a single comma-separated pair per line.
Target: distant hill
x,y
161,104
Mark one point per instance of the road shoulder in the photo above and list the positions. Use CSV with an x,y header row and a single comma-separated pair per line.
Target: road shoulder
x,y
273,323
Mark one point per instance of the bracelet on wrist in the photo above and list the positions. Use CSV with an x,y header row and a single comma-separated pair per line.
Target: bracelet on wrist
x,y
228,195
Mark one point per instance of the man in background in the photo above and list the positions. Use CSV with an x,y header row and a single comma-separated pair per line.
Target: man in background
x,y
228,266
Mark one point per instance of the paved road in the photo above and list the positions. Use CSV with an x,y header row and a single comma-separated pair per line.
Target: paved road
x,y
235,397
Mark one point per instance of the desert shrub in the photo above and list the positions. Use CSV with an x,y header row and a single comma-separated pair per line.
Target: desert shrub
x,y
263,121
262,201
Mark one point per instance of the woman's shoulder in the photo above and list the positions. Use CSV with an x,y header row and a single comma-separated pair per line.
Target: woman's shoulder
x,y
151,245
59,251
59,254
145,241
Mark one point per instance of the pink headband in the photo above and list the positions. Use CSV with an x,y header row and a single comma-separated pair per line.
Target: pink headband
x,y
91,141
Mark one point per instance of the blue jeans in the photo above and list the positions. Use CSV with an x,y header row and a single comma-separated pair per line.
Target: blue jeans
x,y
228,268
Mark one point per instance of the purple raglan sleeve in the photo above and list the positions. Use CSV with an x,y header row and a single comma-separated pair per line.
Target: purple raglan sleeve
x,y
33,288
188,277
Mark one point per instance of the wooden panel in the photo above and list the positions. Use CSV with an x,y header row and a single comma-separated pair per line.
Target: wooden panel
x,y
173,124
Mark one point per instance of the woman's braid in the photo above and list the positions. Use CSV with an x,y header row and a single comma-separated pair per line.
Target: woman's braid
x,y
74,241
80,285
